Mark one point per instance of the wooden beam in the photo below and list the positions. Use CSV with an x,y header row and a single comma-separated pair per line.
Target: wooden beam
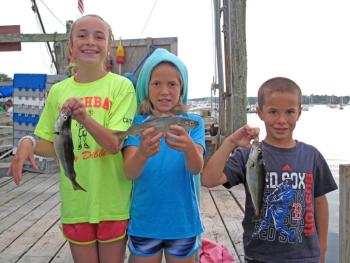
x,y
344,211
11,38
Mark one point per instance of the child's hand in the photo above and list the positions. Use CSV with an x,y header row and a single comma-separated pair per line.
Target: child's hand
x,y
150,143
244,135
178,139
77,108
24,152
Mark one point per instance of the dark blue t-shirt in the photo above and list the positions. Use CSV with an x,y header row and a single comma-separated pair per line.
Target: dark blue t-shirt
x,y
294,178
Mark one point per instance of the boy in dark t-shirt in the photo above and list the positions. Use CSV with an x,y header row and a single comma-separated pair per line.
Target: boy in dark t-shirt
x,y
295,211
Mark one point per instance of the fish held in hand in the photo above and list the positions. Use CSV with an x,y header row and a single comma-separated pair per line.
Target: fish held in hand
x,y
161,124
255,178
63,145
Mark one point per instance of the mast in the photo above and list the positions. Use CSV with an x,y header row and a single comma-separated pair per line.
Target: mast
x,y
36,10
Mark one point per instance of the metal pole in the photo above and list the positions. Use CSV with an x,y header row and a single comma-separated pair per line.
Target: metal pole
x,y
219,66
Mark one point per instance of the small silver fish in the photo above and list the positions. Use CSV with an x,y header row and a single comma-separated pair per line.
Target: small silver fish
x,y
161,124
63,145
255,178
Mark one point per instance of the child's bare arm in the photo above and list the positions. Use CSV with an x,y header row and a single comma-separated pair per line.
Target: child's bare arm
x,y
321,212
213,172
136,157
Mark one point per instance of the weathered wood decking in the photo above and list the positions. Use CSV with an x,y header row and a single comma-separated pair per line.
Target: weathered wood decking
x,y
29,220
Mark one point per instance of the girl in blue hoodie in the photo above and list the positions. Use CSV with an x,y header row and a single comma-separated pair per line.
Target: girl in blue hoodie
x,y
165,216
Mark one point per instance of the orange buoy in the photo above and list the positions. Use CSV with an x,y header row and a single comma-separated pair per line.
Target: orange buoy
x,y
120,53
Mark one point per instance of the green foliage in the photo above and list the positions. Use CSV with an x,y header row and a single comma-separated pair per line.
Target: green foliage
x,y
4,77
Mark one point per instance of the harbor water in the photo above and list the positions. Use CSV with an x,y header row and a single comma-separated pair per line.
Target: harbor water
x,y
328,130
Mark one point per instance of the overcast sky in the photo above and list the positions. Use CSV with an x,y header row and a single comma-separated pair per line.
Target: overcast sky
x,y
306,40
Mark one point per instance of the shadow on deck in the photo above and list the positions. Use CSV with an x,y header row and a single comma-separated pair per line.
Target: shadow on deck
x,y
29,220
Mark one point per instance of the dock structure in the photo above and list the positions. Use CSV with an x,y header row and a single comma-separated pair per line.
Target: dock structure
x,y
30,219
344,213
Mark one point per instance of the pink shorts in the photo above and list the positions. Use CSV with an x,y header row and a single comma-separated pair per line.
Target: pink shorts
x,y
87,233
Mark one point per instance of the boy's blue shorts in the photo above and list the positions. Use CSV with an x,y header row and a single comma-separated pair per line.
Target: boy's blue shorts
x,y
179,248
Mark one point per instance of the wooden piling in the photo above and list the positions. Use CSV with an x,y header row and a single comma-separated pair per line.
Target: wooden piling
x,y
344,213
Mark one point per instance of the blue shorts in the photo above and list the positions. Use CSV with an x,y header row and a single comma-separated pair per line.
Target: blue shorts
x,y
179,248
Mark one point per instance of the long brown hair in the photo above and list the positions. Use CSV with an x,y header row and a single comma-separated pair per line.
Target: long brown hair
x,y
71,68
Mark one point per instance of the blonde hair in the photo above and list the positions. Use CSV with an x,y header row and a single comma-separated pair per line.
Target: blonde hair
x,y
71,68
278,84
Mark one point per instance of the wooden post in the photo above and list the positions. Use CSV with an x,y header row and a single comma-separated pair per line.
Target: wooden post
x,y
235,63
344,213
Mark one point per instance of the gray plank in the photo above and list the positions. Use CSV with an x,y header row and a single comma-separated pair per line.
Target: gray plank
x,y
30,227
8,184
25,209
46,247
16,199
64,255
24,242
214,227
239,194
231,215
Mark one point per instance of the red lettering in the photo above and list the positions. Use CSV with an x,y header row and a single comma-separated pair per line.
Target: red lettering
x,y
106,104
86,155
308,198
309,226
88,102
309,229
97,103
308,178
93,155
309,217
297,214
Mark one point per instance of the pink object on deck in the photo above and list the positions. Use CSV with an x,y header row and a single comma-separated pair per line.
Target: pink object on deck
x,y
211,252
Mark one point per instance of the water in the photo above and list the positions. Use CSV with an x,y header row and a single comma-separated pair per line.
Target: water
x,y
328,130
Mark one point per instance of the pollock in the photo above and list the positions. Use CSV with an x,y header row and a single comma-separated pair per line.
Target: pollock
x,y
255,178
63,145
161,124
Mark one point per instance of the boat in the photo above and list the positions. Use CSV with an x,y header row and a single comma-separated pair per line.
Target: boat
x,y
251,108
305,107
341,104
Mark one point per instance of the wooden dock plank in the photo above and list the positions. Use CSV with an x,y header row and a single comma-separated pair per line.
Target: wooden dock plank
x,y
63,255
19,247
14,201
25,187
46,247
24,210
231,215
16,231
29,220
238,193
214,227
7,184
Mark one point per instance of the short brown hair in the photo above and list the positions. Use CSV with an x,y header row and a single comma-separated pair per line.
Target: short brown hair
x,y
277,84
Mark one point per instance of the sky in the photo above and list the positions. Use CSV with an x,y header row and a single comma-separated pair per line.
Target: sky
x,y
305,40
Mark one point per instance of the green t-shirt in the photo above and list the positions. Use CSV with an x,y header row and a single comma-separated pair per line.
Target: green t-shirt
x,y
111,102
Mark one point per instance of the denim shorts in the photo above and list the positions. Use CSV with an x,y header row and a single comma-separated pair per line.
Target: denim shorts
x,y
179,248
